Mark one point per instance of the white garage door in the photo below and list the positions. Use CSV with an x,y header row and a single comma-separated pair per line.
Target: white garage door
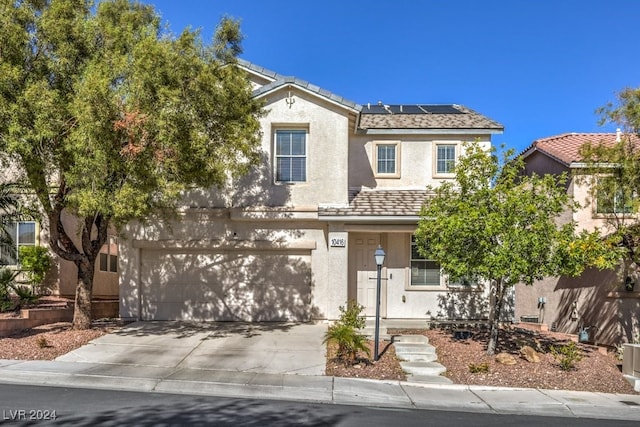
x,y
229,286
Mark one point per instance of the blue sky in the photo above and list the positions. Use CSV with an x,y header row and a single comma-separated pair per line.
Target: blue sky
x,y
539,67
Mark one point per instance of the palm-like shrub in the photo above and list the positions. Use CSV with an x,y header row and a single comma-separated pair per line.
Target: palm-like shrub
x,y
7,282
345,333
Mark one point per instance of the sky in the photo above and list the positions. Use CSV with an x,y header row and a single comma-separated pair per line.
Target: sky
x,y
538,67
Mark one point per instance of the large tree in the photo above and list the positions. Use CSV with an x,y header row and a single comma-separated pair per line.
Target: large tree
x,y
495,225
613,175
110,116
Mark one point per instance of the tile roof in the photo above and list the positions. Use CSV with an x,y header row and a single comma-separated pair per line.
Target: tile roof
x,y
397,203
449,116
565,148
258,69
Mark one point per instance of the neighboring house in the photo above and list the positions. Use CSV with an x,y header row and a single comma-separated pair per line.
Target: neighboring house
x,y
596,299
295,239
62,279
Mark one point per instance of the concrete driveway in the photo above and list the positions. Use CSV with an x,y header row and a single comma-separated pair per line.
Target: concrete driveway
x,y
272,348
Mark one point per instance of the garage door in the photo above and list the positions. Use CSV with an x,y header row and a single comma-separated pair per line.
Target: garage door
x,y
225,286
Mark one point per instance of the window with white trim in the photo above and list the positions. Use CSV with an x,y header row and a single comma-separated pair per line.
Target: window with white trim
x,y
424,271
108,259
387,159
291,155
22,233
611,198
445,158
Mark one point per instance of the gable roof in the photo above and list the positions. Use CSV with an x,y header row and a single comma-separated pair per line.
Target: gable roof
x,y
278,81
434,117
565,148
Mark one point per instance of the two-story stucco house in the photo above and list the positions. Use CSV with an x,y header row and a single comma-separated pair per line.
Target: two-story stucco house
x,y
596,300
295,239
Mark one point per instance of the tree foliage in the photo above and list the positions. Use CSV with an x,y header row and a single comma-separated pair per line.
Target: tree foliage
x,y
613,175
111,117
501,227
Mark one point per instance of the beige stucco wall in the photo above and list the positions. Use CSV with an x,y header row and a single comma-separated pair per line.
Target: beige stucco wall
x,y
417,154
596,298
327,145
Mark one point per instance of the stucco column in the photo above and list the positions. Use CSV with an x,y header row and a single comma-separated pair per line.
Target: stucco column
x,y
129,268
337,269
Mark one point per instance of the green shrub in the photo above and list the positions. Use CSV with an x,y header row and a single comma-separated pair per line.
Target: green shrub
x,y
349,342
567,355
25,293
7,282
35,262
345,332
479,368
352,315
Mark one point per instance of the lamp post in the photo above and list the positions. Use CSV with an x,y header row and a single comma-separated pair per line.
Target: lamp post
x,y
379,256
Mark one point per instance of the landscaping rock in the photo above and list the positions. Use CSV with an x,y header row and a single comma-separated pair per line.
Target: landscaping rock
x,y
505,359
529,354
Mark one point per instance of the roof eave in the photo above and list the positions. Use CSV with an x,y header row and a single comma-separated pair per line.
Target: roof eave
x,y
434,131
406,219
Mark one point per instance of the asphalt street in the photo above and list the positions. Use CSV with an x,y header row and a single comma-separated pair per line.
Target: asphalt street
x,y
43,405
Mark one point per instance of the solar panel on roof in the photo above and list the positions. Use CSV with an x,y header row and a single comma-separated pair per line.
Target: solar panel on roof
x,y
409,109
374,109
441,109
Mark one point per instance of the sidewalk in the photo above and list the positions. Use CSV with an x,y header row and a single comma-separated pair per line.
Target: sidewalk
x,y
316,388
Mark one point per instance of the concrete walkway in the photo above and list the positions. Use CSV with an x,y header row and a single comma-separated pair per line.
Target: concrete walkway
x,y
148,357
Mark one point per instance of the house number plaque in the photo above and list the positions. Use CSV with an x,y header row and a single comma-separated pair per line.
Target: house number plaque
x,y
338,243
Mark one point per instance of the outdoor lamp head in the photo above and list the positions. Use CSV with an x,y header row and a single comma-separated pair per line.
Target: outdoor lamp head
x,y
379,255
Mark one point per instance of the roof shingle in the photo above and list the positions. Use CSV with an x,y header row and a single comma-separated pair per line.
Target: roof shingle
x,y
380,203
452,117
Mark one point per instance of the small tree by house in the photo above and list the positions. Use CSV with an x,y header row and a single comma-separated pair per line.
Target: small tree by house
x,y
499,226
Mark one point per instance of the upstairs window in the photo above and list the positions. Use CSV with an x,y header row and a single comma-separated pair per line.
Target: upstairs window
x,y
611,199
22,233
291,156
445,158
387,159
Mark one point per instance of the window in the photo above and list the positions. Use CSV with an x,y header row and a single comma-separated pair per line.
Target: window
x,y
109,256
611,198
291,156
22,233
445,158
466,282
424,272
387,159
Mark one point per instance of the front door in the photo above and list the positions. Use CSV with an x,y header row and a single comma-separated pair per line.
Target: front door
x,y
364,266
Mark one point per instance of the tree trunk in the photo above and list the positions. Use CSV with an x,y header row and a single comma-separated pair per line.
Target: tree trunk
x,y
82,311
496,302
